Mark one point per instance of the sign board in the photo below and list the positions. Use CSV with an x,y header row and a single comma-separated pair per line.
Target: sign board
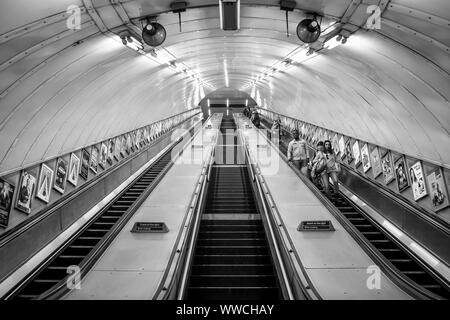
x,y
149,227
316,225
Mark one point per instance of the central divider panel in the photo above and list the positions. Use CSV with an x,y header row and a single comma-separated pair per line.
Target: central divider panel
x,y
232,258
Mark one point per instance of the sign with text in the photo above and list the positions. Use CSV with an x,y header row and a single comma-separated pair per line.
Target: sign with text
x,y
316,225
149,227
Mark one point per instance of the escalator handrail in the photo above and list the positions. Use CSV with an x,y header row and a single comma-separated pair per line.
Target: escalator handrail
x,y
60,288
402,281
271,234
194,232
172,274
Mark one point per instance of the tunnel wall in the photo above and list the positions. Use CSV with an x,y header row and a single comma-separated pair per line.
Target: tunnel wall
x,y
48,220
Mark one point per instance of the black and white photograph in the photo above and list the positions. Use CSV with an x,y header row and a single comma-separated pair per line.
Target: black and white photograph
x,y
85,158
25,191
401,174
388,168
356,153
60,175
103,155
45,182
418,183
438,190
376,162
228,150
74,169
93,162
6,198
349,152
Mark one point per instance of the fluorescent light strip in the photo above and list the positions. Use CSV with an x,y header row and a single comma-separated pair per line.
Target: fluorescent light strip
x,y
225,71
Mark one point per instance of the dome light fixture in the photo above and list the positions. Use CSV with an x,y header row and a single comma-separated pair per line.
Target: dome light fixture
x,y
154,34
308,30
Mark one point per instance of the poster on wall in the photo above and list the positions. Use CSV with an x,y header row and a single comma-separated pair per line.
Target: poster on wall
x,y
376,162
117,146
129,144
365,158
417,181
348,152
342,147
84,170
93,163
45,183
111,149
27,185
123,147
386,166
438,190
74,169
6,196
356,153
103,155
335,144
401,174
60,175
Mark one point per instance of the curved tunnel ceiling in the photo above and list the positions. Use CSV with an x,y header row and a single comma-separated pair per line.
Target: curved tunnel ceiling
x,y
62,89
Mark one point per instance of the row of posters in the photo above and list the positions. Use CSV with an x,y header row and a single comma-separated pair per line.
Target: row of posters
x,y
65,171
352,151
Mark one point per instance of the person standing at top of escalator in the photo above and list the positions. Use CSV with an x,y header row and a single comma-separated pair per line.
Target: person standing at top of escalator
x,y
255,118
332,169
297,153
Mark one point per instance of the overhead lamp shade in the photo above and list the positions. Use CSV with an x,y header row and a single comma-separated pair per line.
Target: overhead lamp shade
x,y
154,34
308,30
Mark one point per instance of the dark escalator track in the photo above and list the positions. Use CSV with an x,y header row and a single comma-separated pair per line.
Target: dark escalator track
x,y
400,259
232,258
88,243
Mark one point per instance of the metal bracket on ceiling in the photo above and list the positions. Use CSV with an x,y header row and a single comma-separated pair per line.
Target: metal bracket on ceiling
x,y
178,7
287,6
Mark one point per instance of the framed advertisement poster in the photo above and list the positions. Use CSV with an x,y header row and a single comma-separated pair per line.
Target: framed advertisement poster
x,y
60,175
417,181
93,163
6,197
348,152
335,144
117,146
103,155
74,169
45,183
84,170
365,158
111,149
342,147
386,166
376,162
129,144
438,190
400,174
27,185
356,153
123,147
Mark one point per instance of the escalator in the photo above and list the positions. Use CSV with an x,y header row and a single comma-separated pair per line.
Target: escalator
x,y
232,257
387,247
400,259
83,248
